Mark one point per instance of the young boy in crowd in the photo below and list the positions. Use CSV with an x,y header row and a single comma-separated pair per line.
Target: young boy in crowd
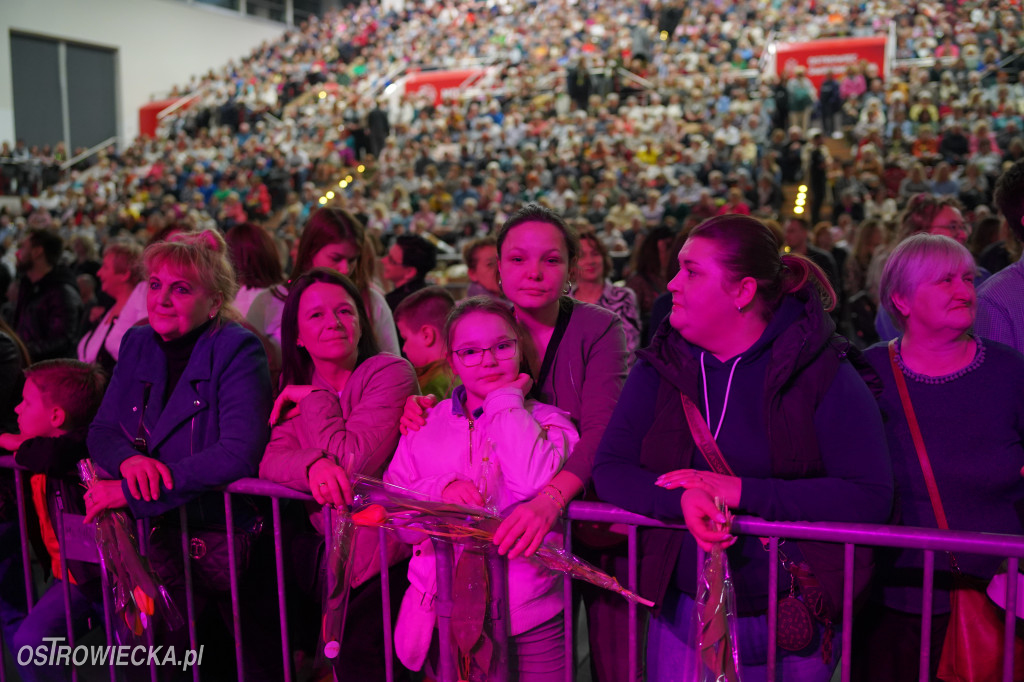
x,y
59,401
481,257
420,319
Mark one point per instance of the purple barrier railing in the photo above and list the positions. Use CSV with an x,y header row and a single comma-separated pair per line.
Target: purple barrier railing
x,y
850,535
930,540
71,543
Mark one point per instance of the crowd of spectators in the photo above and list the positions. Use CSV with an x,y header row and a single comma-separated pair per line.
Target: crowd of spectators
x,y
623,118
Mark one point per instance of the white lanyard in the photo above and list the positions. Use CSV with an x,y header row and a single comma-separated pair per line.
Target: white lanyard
x,y
728,387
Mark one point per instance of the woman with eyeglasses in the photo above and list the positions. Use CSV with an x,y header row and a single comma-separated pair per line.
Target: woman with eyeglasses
x,y
924,214
332,238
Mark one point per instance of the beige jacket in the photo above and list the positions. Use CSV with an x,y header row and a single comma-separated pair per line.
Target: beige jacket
x,y
357,429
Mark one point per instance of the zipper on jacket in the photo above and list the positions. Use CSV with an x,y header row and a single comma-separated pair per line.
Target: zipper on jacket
x,y
484,463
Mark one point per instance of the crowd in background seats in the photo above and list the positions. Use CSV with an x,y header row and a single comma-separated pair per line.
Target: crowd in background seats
x,y
621,117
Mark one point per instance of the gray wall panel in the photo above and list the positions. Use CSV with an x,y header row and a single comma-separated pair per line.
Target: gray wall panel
x,y
37,97
92,95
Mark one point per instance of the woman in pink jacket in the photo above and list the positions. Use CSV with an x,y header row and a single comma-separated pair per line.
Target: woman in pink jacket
x,y
487,446
337,416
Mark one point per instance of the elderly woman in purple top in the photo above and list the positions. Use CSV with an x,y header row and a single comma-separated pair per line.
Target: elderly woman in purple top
x,y
966,395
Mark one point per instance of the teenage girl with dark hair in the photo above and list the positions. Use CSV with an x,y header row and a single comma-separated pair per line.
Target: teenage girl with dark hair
x,y
332,238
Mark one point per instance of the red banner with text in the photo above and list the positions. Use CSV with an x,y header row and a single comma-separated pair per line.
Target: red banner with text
x,y
820,57
442,85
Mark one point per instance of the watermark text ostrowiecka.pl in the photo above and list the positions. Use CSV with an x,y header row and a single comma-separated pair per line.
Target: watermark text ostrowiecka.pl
x,y
52,652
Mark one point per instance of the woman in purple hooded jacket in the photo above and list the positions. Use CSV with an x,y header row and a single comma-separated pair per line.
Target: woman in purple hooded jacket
x,y
749,342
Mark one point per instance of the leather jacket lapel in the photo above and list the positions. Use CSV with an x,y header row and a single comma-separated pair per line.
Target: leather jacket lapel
x,y
185,401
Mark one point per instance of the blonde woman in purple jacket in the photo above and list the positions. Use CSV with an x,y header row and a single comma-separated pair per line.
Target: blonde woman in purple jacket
x,y
337,416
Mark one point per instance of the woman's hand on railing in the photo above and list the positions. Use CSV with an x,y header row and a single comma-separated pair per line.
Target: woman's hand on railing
x,y
103,495
705,520
725,488
329,484
415,414
522,531
287,403
144,475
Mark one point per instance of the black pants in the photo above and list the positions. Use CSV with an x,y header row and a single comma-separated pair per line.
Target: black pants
x,y
259,621
887,645
608,617
362,646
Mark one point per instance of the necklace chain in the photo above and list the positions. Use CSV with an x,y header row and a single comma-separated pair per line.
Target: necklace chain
x,y
979,357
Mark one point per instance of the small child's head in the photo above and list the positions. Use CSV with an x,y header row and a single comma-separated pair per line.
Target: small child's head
x,y
59,396
485,346
420,318
481,257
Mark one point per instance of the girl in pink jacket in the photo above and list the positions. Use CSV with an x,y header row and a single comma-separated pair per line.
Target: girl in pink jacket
x,y
487,446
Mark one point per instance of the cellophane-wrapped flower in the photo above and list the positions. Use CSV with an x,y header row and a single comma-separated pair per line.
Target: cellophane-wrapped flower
x,y
139,596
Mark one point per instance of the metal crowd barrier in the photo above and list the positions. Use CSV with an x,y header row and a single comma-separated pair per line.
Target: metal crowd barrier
x,y
850,535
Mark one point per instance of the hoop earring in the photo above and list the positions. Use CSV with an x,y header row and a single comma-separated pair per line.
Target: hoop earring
x,y
568,288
